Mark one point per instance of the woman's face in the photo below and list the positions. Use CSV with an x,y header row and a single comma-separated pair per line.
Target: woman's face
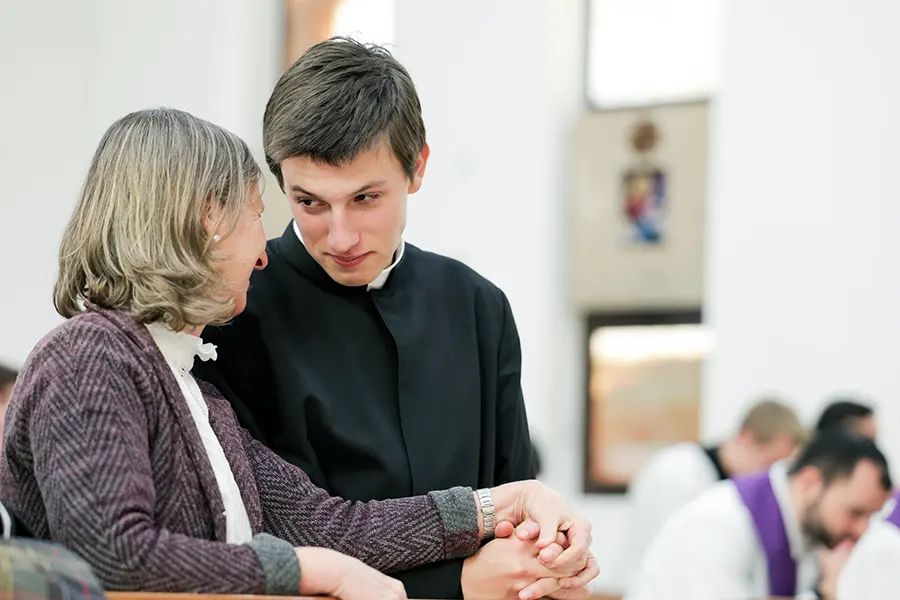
x,y
244,250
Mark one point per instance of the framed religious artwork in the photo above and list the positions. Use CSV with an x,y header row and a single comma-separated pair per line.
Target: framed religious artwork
x,y
643,206
644,373
638,208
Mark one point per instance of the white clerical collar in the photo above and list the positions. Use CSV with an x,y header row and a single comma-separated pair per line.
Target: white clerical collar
x,y
382,278
778,474
180,348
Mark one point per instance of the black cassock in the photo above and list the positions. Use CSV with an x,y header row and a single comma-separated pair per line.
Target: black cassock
x,y
379,394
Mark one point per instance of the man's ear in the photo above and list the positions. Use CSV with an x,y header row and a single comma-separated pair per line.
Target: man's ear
x,y
419,169
809,480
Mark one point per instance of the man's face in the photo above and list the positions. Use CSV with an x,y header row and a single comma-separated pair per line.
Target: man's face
x,y
762,456
840,512
865,426
352,217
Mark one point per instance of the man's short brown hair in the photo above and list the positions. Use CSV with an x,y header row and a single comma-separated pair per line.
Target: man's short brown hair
x,y
339,99
770,419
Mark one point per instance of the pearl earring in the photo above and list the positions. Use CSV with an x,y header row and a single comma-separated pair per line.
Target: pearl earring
x,y
217,238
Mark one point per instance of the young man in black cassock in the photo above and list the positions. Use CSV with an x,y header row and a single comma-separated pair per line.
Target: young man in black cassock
x,y
379,368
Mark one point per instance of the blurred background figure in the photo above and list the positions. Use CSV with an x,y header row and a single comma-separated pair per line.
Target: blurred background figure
x,y
846,413
770,431
760,535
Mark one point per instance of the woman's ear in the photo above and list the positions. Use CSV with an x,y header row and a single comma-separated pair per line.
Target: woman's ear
x,y
211,217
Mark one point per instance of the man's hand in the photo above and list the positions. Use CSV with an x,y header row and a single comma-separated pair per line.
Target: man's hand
x,y
522,501
563,588
511,568
832,562
502,569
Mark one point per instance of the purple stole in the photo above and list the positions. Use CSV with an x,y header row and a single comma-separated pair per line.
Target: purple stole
x,y
758,496
894,517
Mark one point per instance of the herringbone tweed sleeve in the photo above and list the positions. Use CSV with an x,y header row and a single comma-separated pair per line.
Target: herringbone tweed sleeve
x,y
389,535
80,420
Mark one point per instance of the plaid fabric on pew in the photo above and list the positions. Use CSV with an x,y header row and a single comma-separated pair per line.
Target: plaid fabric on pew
x,y
34,570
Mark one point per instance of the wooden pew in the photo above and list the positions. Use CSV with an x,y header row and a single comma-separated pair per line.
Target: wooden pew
x,y
168,596
165,596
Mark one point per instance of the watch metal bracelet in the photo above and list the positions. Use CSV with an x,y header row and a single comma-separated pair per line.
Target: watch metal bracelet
x,y
488,513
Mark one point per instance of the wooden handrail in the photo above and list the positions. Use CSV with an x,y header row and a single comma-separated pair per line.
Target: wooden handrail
x,y
174,596
168,596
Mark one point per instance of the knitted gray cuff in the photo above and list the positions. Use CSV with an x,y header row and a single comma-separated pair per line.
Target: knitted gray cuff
x,y
279,563
459,516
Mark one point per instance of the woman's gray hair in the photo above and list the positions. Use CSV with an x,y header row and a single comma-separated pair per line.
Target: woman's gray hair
x,y
137,241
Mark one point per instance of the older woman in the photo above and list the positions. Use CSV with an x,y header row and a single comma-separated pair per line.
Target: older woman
x,y
114,450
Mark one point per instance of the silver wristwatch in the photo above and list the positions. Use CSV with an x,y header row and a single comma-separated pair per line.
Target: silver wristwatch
x,y
487,513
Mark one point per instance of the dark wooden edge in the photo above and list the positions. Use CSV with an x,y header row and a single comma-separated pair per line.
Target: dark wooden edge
x,y
173,596
179,596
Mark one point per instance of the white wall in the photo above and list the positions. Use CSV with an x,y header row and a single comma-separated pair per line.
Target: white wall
x,y
802,263
69,69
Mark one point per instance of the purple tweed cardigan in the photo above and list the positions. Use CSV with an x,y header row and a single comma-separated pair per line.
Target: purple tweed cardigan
x,y
101,454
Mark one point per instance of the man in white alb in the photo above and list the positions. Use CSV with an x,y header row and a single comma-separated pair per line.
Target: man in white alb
x,y
759,535
770,431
